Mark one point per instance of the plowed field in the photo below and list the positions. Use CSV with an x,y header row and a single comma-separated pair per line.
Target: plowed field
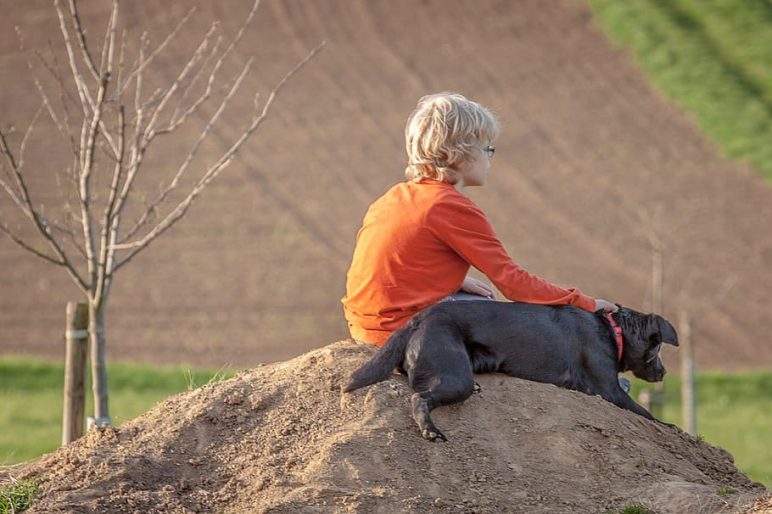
x,y
592,164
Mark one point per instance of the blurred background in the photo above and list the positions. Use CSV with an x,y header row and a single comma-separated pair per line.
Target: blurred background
x,y
634,164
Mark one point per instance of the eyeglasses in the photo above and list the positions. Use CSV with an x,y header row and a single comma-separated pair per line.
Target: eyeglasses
x,y
489,150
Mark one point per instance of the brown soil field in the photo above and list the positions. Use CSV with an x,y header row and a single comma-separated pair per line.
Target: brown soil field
x,y
282,438
591,163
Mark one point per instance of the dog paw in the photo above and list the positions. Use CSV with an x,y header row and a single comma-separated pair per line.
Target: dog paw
x,y
666,424
433,435
476,388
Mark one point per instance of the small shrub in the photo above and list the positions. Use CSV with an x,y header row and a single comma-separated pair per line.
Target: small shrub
x,y
17,496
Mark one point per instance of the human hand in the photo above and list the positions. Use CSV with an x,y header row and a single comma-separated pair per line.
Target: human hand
x,y
605,306
473,286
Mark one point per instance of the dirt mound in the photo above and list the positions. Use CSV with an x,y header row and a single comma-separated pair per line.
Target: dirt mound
x,y
282,438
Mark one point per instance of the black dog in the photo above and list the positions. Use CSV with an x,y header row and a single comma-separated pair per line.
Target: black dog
x,y
563,345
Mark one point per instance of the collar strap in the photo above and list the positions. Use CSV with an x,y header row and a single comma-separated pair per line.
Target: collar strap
x,y
617,335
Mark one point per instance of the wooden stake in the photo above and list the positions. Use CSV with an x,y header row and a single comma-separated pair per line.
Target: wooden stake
x,y
657,395
688,402
76,336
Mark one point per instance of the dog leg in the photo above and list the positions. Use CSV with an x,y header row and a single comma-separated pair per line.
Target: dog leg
x,y
623,401
422,406
476,388
624,384
448,390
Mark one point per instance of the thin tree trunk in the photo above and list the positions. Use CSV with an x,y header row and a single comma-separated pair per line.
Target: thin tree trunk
x,y
98,364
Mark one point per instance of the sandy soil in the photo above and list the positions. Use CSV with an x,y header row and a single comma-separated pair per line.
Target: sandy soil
x,y
283,438
591,163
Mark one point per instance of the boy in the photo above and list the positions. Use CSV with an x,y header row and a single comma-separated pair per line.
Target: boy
x,y
419,239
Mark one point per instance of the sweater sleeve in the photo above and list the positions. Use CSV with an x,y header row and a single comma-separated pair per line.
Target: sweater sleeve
x,y
466,229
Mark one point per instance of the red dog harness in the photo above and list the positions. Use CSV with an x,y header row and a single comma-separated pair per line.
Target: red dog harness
x,y
617,335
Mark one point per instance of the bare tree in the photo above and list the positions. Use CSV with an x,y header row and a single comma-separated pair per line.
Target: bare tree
x,y
110,123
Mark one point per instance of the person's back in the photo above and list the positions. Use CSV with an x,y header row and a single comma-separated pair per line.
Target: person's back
x,y
398,245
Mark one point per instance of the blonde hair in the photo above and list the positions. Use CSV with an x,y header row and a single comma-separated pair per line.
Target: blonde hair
x,y
443,131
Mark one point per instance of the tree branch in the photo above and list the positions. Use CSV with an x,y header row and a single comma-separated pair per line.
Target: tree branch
x,y
30,127
71,236
86,167
142,63
83,92
110,229
64,131
213,74
136,149
88,103
149,130
7,231
175,85
81,37
19,197
181,209
24,202
180,114
183,167
64,97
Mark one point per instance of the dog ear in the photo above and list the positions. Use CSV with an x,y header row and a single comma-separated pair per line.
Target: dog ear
x,y
663,329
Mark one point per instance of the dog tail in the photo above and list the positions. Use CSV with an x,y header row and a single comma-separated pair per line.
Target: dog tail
x,y
380,366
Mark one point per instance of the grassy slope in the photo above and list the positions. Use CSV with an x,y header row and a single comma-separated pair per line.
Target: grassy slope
x,y
733,409
710,56
31,396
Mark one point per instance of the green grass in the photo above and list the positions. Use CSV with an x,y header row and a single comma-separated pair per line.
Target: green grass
x,y
710,56
733,412
725,491
31,395
16,497
635,508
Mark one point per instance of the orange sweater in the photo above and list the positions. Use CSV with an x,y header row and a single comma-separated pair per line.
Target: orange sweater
x,y
415,247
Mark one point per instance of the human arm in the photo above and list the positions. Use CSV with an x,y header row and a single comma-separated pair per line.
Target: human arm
x,y
465,229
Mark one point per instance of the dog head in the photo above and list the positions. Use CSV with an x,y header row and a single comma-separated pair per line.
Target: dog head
x,y
644,336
